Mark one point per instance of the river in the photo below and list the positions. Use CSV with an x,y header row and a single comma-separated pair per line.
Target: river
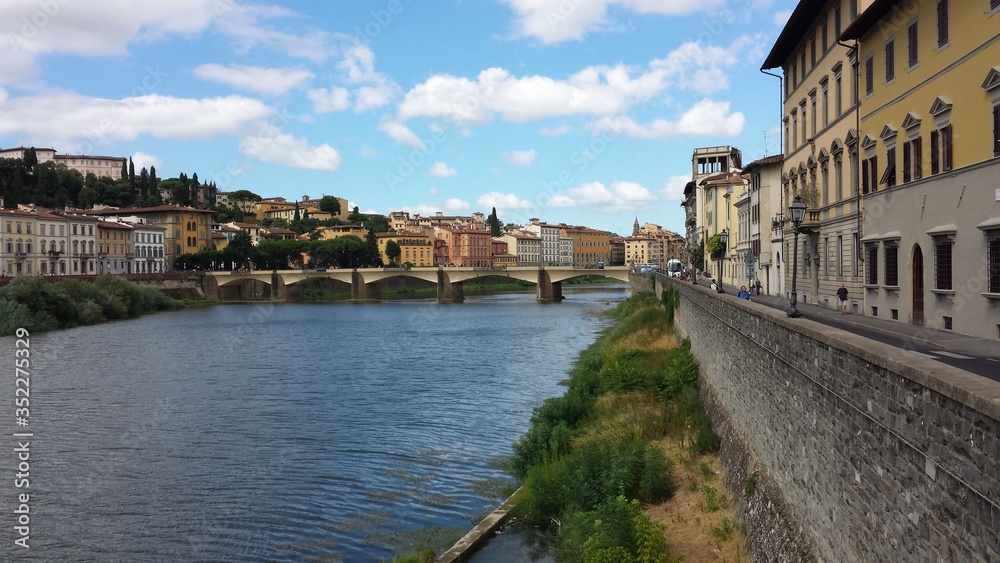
x,y
281,432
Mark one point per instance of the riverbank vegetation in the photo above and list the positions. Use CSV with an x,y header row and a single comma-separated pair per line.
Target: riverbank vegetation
x,y
593,462
38,305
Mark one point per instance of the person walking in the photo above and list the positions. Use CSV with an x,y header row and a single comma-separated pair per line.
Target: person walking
x,y
743,293
842,299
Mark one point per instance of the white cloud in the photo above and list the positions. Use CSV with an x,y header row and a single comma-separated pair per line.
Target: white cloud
x,y
255,26
329,100
283,148
267,81
374,90
674,189
554,21
401,134
503,202
454,204
781,17
596,91
555,131
705,118
367,152
522,158
441,170
621,196
373,97
100,120
432,191
145,160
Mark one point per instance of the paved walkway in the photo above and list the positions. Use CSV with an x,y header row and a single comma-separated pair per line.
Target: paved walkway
x,y
976,355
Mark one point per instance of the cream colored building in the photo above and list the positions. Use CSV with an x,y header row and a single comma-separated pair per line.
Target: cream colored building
x,y
100,166
766,234
19,243
821,148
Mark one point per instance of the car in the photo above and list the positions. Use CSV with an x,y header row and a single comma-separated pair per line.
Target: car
x,y
320,269
600,265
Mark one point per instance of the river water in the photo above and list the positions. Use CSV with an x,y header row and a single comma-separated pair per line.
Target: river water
x,y
280,432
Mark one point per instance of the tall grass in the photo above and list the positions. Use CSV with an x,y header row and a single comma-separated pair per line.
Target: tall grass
x,y
588,459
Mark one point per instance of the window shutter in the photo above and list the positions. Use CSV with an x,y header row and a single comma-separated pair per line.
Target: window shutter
x,y
870,75
942,22
935,158
890,63
911,33
888,177
917,145
994,4
996,130
946,147
906,162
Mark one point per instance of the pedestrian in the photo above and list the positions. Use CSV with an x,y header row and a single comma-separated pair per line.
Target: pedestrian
x,y
714,286
758,287
842,299
743,293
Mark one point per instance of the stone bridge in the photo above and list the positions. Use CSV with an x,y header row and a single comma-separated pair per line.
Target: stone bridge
x,y
287,285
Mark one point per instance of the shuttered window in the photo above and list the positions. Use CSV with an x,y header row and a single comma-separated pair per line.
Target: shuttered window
x,y
890,60
870,74
911,35
996,130
942,22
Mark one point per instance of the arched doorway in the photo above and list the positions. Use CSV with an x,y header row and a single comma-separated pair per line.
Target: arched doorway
x,y
918,285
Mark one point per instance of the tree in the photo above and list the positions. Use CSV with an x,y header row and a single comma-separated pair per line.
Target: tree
x,y
30,158
244,199
494,222
240,249
356,216
376,223
393,251
330,204
296,217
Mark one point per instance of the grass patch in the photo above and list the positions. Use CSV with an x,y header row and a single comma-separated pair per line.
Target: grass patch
x,y
591,456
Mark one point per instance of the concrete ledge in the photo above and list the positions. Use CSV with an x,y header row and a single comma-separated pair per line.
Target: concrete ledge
x,y
482,532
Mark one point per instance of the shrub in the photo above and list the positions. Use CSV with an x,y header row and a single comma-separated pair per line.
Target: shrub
x,y
617,531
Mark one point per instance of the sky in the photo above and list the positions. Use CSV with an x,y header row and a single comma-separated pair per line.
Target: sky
x,y
583,112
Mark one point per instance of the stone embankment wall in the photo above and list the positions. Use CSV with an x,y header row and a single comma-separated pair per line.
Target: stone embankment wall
x,y
177,286
839,448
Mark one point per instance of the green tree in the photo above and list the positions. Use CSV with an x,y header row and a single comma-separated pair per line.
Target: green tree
x,y
357,216
376,223
329,204
30,158
494,223
240,249
244,199
296,217
393,251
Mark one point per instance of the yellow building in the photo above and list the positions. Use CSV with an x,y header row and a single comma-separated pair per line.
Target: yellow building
x,y
930,129
638,249
19,243
188,230
720,193
415,248
330,233
590,246
114,248
821,148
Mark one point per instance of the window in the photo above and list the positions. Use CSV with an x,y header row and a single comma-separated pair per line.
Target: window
x,y
912,57
837,96
812,110
869,167
870,75
994,4
941,149
889,177
871,265
854,9
993,258
890,60
942,263
826,36
942,23
996,131
812,51
840,255
802,110
836,21
892,264
911,159
826,106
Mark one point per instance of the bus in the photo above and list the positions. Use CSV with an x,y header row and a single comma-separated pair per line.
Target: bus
x,y
674,268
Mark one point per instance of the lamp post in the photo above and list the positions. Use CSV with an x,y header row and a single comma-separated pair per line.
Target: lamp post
x,y
797,211
723,239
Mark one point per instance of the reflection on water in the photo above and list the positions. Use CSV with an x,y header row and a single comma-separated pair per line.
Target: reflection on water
x,y
287,432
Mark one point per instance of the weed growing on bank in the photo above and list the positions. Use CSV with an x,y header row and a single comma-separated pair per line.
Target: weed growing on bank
x,y
588,461
37,305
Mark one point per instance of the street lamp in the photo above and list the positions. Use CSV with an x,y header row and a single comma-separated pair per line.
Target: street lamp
x,y
797,210
723,239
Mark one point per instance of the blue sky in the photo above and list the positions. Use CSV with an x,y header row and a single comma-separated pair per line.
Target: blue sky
x,y
573,111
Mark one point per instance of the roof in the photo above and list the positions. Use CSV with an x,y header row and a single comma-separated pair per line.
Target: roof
x,y
776,159
867,20
114,225
796,26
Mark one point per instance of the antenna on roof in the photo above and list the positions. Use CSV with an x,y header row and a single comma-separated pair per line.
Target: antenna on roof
x,y
765,144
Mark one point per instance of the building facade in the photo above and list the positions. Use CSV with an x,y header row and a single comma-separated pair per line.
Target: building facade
x,y
930,136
